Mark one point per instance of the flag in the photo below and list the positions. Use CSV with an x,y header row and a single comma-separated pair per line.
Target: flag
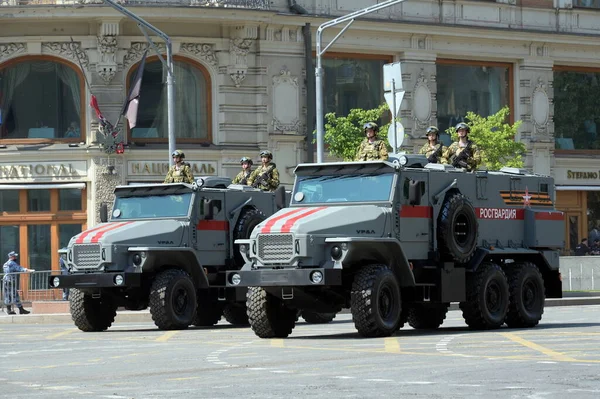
x,y
130,108
105,126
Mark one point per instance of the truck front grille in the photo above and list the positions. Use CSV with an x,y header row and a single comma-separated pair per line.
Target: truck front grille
x,y
86,256
275,248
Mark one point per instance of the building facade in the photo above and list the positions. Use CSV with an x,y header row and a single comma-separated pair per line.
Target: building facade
x,y
244,81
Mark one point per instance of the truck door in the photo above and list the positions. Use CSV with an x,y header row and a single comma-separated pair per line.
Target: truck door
x,y
415,218
212,229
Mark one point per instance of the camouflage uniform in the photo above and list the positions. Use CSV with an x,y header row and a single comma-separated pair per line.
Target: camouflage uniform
x,y
180,174
9,283
375,151
455,149
242,177
437,151
265,177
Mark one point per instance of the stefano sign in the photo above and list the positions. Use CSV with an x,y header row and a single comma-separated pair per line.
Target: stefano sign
x,y
581,175
149,168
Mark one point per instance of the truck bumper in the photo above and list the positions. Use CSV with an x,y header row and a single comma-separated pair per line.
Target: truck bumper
x,y
282,278
96,280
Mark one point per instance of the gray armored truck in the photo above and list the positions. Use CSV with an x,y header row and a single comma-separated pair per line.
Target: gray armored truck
x,y
166,246
399,241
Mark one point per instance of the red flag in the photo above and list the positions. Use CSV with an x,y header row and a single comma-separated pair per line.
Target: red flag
x,y
130,108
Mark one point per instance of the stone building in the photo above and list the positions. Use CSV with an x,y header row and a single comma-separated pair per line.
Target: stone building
x,y
244,81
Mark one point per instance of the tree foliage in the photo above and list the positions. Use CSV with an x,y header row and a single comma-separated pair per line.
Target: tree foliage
x,y
343,134
495,139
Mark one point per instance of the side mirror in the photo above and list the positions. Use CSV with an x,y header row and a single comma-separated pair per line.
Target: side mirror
x,y
104,212
415,192
280,197
208,210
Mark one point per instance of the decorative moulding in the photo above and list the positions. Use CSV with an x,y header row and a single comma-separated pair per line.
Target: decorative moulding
x,y
203,51
107,65
70,50
421,102
540,107
286,103
7,50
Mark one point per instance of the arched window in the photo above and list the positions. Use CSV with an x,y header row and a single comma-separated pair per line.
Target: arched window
x,y
41,98
192,102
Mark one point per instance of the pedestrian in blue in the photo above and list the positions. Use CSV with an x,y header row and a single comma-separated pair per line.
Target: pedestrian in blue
x,y
64,270
9,284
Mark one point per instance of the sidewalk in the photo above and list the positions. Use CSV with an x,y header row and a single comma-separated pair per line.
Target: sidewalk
x,y
143,316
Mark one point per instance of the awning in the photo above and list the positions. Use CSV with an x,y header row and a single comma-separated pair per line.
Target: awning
x,y
79,186
577,188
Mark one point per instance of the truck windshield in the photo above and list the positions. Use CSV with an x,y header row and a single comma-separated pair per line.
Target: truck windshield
x,y
155,206
343,188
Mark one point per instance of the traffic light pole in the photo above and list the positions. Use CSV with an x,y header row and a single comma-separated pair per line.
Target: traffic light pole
x,y
168,65
319,69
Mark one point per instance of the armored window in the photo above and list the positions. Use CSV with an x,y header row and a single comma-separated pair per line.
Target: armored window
x,y
543,187
192,102
41,99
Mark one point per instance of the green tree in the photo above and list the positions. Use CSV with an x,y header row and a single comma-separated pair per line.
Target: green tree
x,y
495,139
343,134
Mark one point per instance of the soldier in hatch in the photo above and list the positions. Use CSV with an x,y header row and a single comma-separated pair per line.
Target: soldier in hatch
x,y
462,153
180,172
433,149
372,148
242,177
266,176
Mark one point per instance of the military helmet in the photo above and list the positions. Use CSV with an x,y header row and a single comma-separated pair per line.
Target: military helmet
x,y
266,153
432,130
177,153
245,159
463,125
371,125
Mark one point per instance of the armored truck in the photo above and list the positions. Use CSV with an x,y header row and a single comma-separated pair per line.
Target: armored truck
x,y
165,246
398,241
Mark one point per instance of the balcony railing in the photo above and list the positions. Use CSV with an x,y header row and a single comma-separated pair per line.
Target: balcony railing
x,y
248,4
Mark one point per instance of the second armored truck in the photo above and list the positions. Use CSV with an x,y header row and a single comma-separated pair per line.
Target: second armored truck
x,y
166,246
398,242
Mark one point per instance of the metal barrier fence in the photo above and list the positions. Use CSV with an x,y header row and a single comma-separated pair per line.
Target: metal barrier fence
x,y
30,286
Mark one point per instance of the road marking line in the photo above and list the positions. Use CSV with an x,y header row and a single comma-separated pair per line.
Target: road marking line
x,y
183,378
531,345
391,345
277,343
166,336
60,334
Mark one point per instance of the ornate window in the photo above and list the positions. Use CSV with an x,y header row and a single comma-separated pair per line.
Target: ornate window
x,y
480,87
41,98
192,102
576,109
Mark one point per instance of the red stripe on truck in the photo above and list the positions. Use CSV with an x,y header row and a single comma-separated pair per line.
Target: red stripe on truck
x,y
271,222
100,234
287,226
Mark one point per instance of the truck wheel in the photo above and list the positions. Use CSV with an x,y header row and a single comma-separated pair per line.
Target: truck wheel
x,y
527,297
173,300
375,301
235,314
487,297
248,220
457,228
91,314
317,318
427,316
268,315
209,309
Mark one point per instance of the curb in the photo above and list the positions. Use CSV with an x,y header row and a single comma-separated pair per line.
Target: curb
x,y
144,316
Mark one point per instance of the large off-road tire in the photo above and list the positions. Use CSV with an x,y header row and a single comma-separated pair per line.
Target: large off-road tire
x,y
268,315
173,300
317,318
457,229
427,316
375,301
487,297
91,314
248,220
236,314
526,296
209,310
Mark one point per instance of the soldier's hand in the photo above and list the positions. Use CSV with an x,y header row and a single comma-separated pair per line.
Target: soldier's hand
x,y
30,270
463,164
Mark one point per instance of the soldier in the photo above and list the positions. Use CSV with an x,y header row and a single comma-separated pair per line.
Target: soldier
x,y
266,176
433,149
181,172
9,283
242,177
462,153
371,148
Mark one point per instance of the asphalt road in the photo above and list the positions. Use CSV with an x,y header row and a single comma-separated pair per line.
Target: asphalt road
x,y
559,358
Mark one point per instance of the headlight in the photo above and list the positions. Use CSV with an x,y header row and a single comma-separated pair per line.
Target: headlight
x,y
119,279
55,281
403,160
316,277
336,252
137,259
235,279
243,248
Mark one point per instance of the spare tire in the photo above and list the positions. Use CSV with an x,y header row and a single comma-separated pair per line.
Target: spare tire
x,y
457,229
248,220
